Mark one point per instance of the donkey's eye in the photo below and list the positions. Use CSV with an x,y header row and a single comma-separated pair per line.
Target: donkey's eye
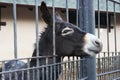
x,y
67,31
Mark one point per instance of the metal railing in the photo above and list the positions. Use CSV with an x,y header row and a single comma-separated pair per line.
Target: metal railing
x,y
70,69
107,63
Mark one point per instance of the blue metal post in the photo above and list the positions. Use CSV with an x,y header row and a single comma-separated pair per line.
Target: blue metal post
x,y
87,22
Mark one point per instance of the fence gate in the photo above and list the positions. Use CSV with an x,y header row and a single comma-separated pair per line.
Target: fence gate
x,y
107,24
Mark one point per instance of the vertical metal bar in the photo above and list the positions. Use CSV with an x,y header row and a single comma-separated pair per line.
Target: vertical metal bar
x,y
22,75
107,19
88,19
54,45
67,18
62,69
104,63
15,28
33,71
47,71
58,70
108,28
67,11
85,15
119,63
69,69
81,18
113,61
115,28
37,40
81,69
16,75
0,17
28,71
3,69
91,17
98,61
84,70
10,76
77,11
77,76
79,21
43,73
115,40
98,18
51,73
65,66
73,68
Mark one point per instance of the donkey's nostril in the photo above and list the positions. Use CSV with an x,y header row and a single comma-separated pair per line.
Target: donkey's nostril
x,y
97,43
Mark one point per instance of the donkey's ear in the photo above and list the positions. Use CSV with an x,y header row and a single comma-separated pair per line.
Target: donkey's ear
x,y
58,17
45,13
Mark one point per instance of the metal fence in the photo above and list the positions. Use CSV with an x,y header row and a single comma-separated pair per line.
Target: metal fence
x,y
22,71
107,63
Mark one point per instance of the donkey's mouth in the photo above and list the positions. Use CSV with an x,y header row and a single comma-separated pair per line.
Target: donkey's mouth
x,y
94,51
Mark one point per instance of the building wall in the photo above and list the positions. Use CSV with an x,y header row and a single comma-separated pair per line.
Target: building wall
x,y
103,36
26,33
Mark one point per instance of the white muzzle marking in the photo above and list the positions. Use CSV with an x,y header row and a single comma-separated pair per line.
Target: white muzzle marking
x,y
92,45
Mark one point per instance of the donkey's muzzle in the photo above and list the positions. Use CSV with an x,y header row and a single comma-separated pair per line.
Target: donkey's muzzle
x,y
92,45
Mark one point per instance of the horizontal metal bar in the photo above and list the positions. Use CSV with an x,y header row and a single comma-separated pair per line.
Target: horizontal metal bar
x,y
28,58
109,57
110,52
116,78
84,78
115,1
106,73
4,72
31,58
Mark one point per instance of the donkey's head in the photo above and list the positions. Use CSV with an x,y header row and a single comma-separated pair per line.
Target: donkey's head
x,y
70,40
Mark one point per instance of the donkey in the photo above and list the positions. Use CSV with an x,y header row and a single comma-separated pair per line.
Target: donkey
x,y
69,39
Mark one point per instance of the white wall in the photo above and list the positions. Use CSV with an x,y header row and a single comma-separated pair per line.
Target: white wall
x,y
26,33
103,36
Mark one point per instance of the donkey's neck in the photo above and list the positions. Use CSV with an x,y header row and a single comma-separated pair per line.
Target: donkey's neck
x,y
45,43
45,48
